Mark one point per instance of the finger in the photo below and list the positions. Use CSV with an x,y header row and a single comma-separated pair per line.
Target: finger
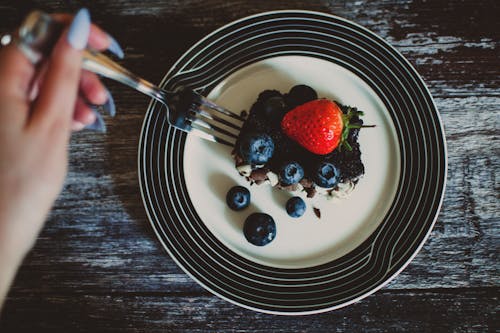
x,y
92,91
92,88
37,81
16,72
13,113
57,98
96,93
84,115
98,38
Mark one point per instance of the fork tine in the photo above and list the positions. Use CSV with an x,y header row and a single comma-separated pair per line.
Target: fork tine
x,y
212,105
207,134
192,112
208,123
231,120
213,119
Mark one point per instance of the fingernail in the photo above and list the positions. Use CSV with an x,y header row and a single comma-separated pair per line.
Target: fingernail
x,y
77,126
115,48
109,106
79,30
33,94
98,125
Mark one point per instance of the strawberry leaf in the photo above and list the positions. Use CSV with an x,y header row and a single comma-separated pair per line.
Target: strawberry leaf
x,y
347,126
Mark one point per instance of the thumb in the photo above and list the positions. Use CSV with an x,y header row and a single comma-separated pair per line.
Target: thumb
x,y
56,100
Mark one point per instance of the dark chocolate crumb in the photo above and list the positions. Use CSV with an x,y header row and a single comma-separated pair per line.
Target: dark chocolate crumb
x,y
311,192
306,182
259,174
238,160
317,212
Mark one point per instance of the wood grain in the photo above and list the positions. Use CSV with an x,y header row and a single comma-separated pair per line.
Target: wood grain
x,y
97,265
420,311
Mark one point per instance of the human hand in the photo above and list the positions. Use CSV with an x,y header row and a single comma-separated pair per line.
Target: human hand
x,y
39,106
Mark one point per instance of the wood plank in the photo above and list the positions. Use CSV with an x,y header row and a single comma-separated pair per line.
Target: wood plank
x,y
463,310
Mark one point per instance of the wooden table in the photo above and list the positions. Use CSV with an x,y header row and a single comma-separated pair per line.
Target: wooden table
x,y
98,267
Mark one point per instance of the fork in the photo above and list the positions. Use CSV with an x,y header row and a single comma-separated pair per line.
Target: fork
x,y
186,109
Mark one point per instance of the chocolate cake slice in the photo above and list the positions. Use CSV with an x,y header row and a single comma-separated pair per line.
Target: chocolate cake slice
x,y
297,142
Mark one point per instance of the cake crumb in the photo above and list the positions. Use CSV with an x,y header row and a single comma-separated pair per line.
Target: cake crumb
x,y
311,191
259,174
317,212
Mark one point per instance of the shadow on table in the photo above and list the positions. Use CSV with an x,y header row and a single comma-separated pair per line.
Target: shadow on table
x,y
121,144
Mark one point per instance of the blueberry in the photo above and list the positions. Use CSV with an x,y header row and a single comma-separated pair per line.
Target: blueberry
x,y
238,198
295,207
259,229
326,175
300,94
266,94
291,173
256,148
273,108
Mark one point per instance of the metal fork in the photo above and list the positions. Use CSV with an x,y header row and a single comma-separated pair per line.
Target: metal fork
x,y
187,110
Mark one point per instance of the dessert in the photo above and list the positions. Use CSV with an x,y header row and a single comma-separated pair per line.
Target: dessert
x,y
297,142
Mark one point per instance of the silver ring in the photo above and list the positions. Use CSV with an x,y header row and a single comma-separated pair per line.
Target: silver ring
x,y
6,40
33,56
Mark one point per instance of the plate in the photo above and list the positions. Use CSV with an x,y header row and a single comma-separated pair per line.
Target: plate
x,y
359,243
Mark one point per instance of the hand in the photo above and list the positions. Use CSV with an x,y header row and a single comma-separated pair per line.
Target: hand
x,y
39,106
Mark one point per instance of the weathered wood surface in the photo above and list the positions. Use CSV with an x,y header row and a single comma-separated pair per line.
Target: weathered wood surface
x,y
98,267
407,311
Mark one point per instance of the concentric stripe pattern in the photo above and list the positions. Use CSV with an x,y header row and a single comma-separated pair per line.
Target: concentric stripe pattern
x,y
403,229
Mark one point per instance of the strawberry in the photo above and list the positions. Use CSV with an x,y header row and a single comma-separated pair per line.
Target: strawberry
x,y
316,125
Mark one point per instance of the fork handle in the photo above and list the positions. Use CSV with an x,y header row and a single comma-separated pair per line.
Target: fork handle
x,y
100,64
38,34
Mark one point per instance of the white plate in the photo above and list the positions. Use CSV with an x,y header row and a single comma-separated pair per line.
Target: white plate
x,y
344,223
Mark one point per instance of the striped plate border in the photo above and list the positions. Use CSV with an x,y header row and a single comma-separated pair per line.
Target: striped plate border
x,y
400,234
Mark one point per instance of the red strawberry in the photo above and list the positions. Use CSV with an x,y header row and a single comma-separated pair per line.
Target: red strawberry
x,y
316,125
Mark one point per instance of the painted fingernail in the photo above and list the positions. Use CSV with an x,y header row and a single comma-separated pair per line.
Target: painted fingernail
x,y
109,107
98,125
79,30
115,48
